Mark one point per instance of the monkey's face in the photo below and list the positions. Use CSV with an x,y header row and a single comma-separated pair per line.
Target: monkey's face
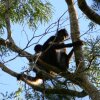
x,y
61,38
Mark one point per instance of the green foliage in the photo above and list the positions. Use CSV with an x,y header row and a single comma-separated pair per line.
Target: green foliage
x,y
92,59
30,11
18,92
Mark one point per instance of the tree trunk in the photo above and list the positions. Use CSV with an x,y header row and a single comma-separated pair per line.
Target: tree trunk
x,y
79,59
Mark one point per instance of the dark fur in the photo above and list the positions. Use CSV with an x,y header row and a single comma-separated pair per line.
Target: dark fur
x,y
50,55
57,43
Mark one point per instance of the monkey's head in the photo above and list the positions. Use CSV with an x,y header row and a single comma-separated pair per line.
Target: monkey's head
x,y
38,48
62,35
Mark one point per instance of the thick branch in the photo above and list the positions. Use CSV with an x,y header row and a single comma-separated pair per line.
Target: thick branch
x,y
79,59
14,74
7,20
26,78
41,89
12,46
89,12
15,48
7,70
75,34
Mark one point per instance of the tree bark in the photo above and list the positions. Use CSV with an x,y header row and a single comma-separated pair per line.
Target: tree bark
x,y
41,89
79,59
7,20
88,12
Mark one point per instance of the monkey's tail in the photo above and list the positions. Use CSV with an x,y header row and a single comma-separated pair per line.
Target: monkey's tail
x,y
33,80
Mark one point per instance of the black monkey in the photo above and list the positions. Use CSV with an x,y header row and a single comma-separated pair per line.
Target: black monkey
x,y
54,51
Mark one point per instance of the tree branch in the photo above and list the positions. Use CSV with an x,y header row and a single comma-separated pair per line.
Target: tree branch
x,y
75,35
69,76
16,49
89,12
83,80
7,70
14,74
7,20
41,89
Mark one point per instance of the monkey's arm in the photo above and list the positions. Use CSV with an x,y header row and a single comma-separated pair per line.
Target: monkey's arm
x,y
62,45
70,54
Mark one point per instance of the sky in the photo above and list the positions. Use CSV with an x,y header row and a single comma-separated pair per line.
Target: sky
x,y
8,83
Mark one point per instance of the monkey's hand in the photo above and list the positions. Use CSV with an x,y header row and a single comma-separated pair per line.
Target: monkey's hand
x,y
78,43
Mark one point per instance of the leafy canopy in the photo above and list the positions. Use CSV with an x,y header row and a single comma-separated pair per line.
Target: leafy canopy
x,y
20,11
